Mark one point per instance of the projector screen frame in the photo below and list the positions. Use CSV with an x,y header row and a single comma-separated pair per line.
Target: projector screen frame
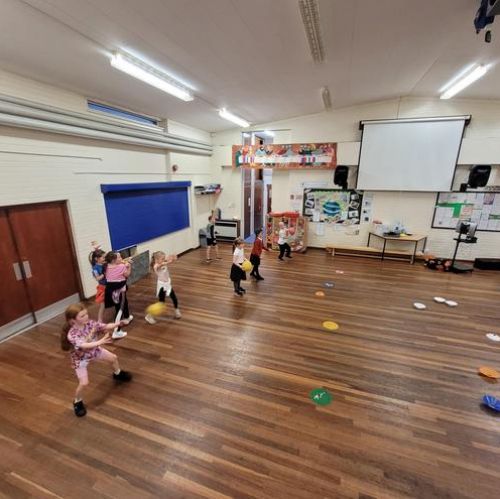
x,y
465,117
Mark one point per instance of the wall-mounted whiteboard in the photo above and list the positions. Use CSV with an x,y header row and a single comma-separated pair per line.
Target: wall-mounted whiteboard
x,y
482,208
410,155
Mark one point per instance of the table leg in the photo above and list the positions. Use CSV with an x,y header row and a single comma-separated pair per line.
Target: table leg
x,y
369,236
383,249
412,261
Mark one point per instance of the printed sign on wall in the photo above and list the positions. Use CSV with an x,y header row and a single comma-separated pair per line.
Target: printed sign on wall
x,y
286,156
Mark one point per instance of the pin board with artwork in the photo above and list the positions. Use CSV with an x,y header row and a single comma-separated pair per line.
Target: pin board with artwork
x,y
333,206
482,208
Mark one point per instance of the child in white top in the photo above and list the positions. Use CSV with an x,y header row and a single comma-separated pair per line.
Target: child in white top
x,y
159,263
283,241
237,273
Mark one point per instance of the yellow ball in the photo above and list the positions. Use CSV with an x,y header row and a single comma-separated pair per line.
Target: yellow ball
x,y
157,308
246,266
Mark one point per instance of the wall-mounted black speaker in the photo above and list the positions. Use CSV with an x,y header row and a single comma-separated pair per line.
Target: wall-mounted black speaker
x,y
479,176
340,176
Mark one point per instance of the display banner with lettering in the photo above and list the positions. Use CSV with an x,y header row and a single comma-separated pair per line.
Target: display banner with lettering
x,y
319,156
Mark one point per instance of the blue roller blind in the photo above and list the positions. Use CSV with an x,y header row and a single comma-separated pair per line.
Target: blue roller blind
x,y
140,212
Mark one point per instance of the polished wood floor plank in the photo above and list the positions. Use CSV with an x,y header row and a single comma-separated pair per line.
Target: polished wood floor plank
x,y
219,406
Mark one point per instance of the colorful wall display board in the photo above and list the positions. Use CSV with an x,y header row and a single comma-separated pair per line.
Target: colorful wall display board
x,y
482,208
297,226
286,156
333,206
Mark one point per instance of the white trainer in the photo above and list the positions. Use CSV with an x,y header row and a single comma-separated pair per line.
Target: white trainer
x,y
177,314
117,335
150,319
128,320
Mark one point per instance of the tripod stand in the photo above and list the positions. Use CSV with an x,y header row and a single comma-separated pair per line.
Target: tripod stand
x,y
461,267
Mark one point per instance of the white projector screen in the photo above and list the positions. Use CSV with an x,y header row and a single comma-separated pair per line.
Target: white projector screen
x,y
405,155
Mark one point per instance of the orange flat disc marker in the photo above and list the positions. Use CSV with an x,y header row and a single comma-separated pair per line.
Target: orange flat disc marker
x,y
489,372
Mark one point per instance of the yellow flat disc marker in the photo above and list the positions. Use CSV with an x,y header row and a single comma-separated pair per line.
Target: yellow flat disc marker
x,y
331,326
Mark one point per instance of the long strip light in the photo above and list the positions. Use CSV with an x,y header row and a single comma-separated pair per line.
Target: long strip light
x,y
309,10
150,75
464,82
327,100
224,113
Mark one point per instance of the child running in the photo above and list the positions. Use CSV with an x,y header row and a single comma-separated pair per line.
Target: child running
x,y
258,246
237,273
159,263
80,335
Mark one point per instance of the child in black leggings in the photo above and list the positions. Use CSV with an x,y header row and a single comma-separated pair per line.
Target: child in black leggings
x,y
164,288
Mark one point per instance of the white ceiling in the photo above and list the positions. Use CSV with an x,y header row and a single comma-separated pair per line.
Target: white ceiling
x,y
250,56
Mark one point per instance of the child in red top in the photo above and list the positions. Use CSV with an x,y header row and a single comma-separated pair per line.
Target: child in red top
x,y
258,246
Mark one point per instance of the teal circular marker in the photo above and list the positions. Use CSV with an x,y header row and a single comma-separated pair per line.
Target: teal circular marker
x,y
321,396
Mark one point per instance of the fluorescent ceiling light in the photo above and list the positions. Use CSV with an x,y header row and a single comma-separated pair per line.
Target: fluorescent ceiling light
x,y
464,82
309,11
152,76
223,113
327,100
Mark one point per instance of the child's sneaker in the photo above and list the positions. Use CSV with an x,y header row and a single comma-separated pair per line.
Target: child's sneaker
x,y
122,376
118,335
79,408
177,314
128,320
150,319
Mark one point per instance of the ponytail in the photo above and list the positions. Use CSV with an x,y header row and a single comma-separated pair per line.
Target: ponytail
x,y
70,314
110,257
95,255
65,344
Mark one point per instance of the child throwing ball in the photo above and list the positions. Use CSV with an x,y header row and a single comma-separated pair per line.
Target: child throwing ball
x,y
164,288
80,335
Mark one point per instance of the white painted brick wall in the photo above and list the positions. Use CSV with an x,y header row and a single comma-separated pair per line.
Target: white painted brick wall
x,y
39,167
35,168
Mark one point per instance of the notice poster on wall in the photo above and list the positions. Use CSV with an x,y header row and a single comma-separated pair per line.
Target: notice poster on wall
x,y
286,156
482,208
333,206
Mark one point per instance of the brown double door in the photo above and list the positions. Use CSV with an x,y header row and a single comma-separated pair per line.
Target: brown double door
x,y
37,264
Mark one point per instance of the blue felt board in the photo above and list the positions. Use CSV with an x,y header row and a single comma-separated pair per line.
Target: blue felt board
x,y
140,212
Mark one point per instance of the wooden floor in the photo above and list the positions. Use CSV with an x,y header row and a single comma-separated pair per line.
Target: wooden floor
x,y
219,405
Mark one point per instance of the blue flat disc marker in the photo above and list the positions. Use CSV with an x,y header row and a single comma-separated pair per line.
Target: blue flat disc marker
x,y
492,402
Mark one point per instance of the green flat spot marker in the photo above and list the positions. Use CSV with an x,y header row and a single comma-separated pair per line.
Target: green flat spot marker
x,y
321,396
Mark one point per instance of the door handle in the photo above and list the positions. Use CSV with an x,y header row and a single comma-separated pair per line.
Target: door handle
x,y
27,269
17,271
